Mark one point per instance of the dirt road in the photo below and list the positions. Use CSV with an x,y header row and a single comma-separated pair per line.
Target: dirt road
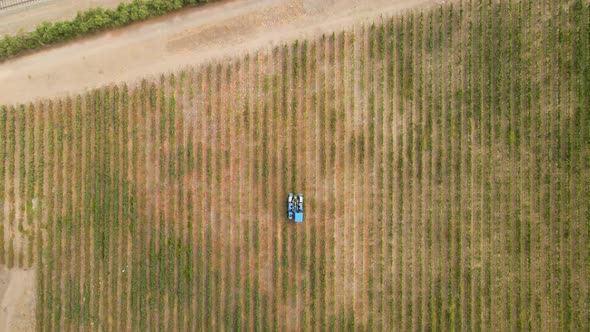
x,y
17,300
225,29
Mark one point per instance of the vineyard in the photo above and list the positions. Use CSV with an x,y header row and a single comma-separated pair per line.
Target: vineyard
x,y
443,155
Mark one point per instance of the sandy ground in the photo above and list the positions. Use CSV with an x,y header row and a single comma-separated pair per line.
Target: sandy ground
x,y
189,37
17,300
27,16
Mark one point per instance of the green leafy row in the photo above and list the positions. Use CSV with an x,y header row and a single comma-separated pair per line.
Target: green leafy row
x,y
89,21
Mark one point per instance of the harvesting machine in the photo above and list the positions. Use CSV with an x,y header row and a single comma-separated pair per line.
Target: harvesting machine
x,y
295,207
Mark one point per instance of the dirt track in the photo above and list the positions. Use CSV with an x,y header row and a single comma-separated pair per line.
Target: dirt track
x,y
17,300
225,29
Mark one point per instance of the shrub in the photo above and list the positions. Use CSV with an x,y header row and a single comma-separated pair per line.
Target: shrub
x,y
89,21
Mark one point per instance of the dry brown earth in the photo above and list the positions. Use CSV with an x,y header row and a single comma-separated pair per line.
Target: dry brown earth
x,y
17,300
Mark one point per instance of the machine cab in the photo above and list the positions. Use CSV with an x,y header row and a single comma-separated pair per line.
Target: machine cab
x,y
295,207
299,212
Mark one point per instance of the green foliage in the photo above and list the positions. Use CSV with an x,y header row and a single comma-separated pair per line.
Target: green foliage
x,y
10,259
89,21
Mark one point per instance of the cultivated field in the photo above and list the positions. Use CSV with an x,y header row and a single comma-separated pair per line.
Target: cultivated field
x,y
443,156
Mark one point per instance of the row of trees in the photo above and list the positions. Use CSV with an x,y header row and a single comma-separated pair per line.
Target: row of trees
x,y
92,20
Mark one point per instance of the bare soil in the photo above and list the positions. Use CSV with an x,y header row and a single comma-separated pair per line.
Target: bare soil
x,y
192,36
17,300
